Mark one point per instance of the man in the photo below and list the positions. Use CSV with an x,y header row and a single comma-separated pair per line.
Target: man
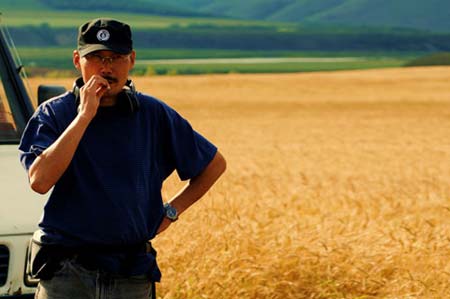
x,y
106,149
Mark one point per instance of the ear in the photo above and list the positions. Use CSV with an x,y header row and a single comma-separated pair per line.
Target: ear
x,y
132,59
76,59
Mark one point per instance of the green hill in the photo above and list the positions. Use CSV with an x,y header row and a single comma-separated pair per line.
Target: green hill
x,y
416,14
130,6
9,5
45,31
430,15
134,6
57,23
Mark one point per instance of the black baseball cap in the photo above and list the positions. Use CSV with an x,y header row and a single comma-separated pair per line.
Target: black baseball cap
x,y
104,34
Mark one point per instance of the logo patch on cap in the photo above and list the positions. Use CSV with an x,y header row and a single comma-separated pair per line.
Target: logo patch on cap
x,y
103,35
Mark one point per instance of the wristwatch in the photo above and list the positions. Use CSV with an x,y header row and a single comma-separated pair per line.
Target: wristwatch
x,y
170,212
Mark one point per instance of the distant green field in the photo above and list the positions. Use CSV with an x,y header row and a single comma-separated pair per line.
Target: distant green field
x,y
55,60
440,58
58,62
45,54
282,67
60,59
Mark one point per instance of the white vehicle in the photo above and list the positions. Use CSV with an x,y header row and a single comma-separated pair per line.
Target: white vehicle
x,y
20,207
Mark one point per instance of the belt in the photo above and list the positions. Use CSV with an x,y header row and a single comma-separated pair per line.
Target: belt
x,y
113,249
88,256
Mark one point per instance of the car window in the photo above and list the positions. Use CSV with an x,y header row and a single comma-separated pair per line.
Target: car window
x,y
8,130
13,95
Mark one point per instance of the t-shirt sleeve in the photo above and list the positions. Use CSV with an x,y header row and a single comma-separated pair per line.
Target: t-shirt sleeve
x,y
40,132
184,150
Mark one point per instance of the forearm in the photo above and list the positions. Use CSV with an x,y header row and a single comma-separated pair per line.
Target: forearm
x,y
48,167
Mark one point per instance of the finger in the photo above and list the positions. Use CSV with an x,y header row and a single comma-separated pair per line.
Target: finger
x,y
96,80
102,89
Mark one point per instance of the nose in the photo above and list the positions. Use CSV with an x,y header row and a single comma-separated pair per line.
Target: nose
x,y
106,67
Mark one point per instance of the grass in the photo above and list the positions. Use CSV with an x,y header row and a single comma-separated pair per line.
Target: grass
x,y
337,186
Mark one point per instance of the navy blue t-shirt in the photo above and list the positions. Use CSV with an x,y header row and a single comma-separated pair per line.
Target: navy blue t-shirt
x,y
111,192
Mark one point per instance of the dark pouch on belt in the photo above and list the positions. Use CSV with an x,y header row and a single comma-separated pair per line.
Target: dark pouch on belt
x,y
43,260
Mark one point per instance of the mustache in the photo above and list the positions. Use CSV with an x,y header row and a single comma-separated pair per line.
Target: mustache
x,y
110,79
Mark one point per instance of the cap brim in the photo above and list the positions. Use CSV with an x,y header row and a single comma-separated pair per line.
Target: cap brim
x,y
86,49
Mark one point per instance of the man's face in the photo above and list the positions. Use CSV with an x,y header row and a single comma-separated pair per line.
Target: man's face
x,y
112,66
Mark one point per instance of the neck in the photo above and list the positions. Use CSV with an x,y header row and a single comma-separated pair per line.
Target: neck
x,y
108,101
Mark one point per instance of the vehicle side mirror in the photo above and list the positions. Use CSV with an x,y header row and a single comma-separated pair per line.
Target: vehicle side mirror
x,y
46,92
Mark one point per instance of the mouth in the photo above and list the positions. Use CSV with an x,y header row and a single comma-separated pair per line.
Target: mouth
x,y
111,80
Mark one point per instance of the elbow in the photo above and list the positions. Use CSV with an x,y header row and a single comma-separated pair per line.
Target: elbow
x,y
39,186
221,163
224,165
38,180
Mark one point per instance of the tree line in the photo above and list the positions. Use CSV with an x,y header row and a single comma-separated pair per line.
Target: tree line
x,y
247,39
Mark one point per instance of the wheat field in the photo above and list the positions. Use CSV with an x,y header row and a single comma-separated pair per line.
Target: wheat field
x,y
337,186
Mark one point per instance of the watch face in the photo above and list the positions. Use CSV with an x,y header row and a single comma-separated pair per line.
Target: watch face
x,y
171,212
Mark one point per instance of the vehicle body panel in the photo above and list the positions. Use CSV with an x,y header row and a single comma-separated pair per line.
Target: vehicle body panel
x,y
21,206
15,285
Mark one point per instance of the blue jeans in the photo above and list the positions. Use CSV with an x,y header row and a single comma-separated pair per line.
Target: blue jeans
x,y
75,282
